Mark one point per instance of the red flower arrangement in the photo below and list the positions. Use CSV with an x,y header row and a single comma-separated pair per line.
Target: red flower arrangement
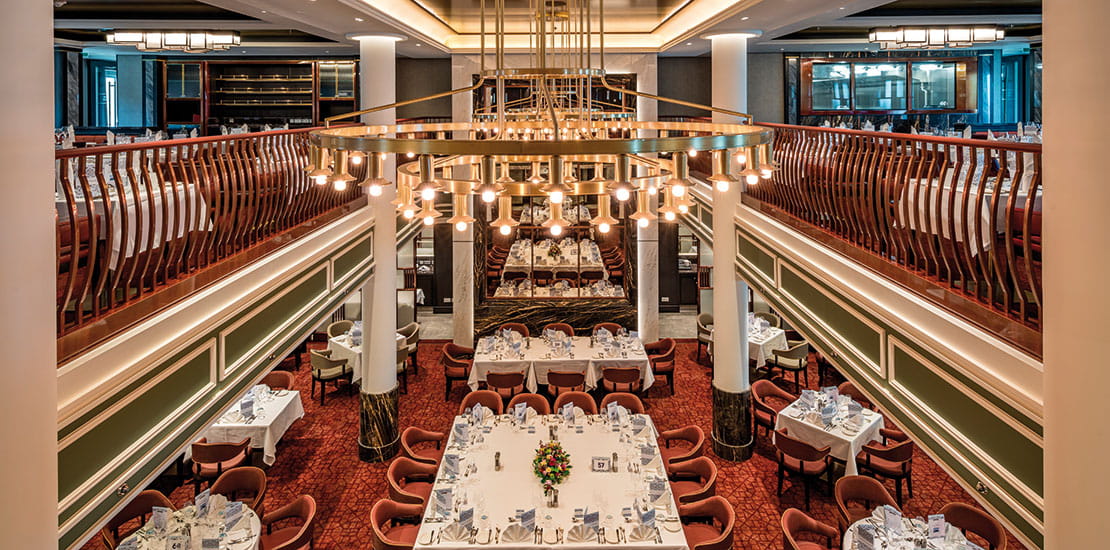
x,y
551,465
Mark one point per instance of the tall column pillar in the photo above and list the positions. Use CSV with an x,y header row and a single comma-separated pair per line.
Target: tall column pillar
x,y
462,281
29,398
647,275
378,436
1076,296
732,406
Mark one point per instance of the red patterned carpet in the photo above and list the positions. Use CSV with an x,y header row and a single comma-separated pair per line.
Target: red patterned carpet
x,y
319,456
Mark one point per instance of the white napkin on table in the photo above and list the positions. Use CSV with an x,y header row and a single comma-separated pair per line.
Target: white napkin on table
x,y
516,533
581,533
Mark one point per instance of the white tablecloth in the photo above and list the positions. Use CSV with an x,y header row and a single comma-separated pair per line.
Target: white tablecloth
x,y
342,348
272,419
538,361
499,494
760,345
849,537
248,528
574,256
596,290
842,445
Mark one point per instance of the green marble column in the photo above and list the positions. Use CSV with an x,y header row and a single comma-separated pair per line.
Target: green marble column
x,y
732,425
378,436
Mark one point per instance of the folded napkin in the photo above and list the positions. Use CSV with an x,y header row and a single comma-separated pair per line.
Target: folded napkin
x,y
581,533
454,533
516,533
642,533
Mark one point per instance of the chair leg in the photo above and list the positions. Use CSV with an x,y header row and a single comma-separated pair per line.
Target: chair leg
x,y
898,490
313,392
909,483
806,372
323,391
805,485
447,391
781,475
797,387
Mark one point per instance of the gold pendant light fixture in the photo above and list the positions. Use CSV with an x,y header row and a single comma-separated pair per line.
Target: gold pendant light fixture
x,y
559,123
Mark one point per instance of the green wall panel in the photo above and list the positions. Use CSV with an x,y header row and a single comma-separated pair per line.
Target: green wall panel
x,y
854,331
346,263
762,261
262,323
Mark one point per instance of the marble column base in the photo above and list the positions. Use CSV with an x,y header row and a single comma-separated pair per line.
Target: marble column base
x,y
378,437
732,425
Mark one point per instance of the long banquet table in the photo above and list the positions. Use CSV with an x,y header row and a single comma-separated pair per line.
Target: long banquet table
x,y
538,360
497,496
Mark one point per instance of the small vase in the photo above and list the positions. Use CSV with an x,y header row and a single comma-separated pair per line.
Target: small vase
x,y
552,495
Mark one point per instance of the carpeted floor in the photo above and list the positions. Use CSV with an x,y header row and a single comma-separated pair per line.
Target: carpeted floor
x,y
318,456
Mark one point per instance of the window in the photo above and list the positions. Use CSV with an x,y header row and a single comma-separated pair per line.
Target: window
x,y
861,86
934,86
832,87
880,86
102,91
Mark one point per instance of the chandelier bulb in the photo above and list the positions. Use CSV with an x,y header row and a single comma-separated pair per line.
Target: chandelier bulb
x,y
722,186
410,154
741,158
692,153
356,158
643,223
623,194
488,196
765,173
460,226
669,216
340,185
683,209
428,194
604,227
752,179
556,197
556,230
505,230
375,190
320,180
652,190
678,190
408,213
429,220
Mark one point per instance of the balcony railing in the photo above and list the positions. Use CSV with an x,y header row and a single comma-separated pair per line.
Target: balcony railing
x,y
134,220
962,217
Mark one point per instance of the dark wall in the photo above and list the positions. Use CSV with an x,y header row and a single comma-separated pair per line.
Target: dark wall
x,y
685,78
423,77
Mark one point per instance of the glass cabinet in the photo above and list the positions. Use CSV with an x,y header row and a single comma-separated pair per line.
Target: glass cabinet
x,y
888,86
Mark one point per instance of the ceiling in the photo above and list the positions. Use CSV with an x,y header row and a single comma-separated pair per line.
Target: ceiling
x,y
622,16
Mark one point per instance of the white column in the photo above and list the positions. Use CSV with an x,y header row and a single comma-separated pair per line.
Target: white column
x,y
730,73
462,280
29,397
647,278
730,299
1076,296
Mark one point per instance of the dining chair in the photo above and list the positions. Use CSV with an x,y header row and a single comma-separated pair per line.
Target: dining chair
x,y
894,461
534,400
411,332
796,523
457,362
850,389
561,327
543,277
613,328
705,332
661,355
402,370
279,380
893,434
325,369
211,460
682,444
797,457
768,400
246,484
294,537
410,481
132,517
489,399
518,328
795,359
560,382
626,400
772,319
514,276
693,480
412,437
857,496
580,399
506,384
591,276
339,328
969,519
395,524
622,379
570,277
708,524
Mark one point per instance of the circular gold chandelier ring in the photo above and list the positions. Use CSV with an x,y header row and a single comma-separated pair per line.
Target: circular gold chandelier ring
x,y
546,72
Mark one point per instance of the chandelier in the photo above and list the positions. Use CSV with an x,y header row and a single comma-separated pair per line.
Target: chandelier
x,y
191,41
931,38
568,143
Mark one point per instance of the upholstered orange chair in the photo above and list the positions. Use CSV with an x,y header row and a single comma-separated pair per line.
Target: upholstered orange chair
x,y
279,380
894,461
893,434
506,384
536,401
708,523
560,382
121,526
390,532
693,480
489,399
580,399
410,481
457,362
211,460
518,328
796,523
690,444
857,496
767,401
850,389
626,400
296,537
412,436
797,457
246,484
561,327
973,520
622,379
661,355
613,328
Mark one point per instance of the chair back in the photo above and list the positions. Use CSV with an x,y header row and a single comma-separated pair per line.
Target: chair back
x,y
628,376
705,321
626,400
489,399
795,522
321,361
246,484
561,327
798,449
691,434
661,351
580,399
505,384
304,509
279,380
721,513
340,327
706,472
564,381
138,509
411,436
411,332
868,492
970,519
402,355
850,389
798,351
454,357
536,401
518,328
613,328
382,516
216,453
403,470
771,318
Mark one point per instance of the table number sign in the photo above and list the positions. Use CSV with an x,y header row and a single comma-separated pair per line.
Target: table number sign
x,y
865,536
568,412
444,500
520,412
600,464
233,512
202,502
178,542
938,528
159,516
892,519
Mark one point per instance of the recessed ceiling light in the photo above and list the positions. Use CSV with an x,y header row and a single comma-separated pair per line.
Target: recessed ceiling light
x,y
745,18
841,7
263,11
689,43
359,19
417,44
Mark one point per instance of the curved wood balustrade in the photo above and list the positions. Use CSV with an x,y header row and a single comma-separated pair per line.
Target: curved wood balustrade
x,y
133,219
963,214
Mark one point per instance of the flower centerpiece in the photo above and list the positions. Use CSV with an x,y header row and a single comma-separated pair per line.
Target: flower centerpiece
x,y
551,465
554,252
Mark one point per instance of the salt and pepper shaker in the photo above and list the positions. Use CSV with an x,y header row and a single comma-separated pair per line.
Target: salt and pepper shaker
x,y
497,461
613,464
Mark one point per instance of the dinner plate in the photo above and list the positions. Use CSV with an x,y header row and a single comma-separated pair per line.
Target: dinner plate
x,y
427,537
